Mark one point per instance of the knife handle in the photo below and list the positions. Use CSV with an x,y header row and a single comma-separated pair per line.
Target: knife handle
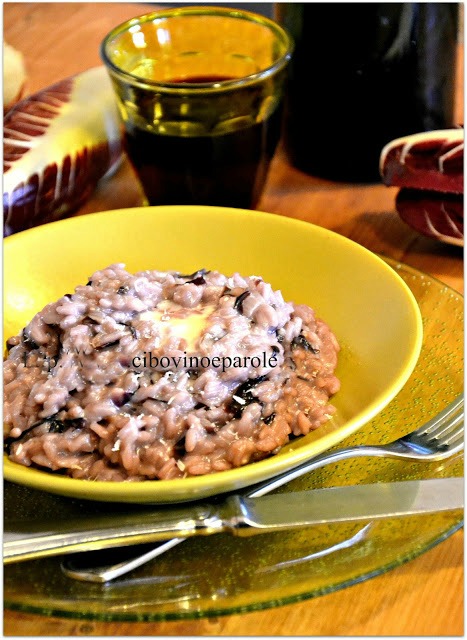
x,y
21,542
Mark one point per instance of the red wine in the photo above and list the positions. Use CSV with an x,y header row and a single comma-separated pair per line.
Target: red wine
x,y
200,79
228,168
364,74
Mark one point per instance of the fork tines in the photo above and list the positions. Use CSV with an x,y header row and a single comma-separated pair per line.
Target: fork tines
x,y
447,428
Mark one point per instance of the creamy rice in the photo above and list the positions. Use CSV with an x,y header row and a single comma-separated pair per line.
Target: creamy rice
x,y
120,380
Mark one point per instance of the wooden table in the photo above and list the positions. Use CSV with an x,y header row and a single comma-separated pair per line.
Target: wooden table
x,y
423,597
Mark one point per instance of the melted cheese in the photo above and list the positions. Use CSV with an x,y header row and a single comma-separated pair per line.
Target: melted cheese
x,y
175,320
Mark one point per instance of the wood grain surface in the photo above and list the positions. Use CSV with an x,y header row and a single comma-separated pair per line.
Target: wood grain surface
x,y
422,597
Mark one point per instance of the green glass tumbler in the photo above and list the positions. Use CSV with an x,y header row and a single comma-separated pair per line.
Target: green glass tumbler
x,y
200,93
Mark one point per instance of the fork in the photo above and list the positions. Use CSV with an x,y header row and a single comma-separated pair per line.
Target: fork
x,y
439,438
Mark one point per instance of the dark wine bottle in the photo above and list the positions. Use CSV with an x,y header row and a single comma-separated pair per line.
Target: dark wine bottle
x,y
363,74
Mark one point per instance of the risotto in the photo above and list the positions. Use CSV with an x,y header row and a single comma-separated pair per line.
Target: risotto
x,y
159,375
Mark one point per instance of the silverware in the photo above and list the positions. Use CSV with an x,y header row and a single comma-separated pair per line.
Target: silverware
x,y
439,438
241,516
100,566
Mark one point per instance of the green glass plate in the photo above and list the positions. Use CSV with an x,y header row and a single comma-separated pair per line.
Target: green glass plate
x,y
224,575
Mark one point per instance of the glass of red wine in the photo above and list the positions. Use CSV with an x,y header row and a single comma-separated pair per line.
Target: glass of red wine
x,y
200,92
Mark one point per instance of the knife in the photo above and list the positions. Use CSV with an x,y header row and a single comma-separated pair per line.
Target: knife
x,y
241,516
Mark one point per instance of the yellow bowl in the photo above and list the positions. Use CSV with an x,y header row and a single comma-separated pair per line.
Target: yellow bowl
x,y
370,309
